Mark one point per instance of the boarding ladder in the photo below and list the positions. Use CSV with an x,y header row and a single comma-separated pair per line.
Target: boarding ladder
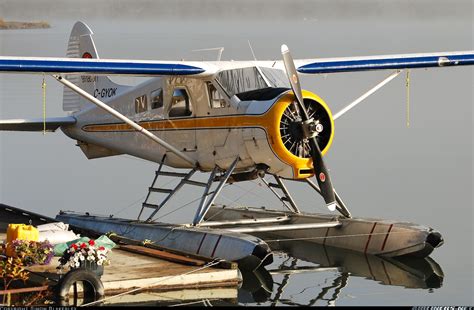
x,y
168,192
285,198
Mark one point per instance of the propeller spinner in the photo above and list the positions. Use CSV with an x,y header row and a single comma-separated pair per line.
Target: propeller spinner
x,y
311,129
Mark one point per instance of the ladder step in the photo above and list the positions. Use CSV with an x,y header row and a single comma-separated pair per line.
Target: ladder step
x,y
274,185
171,174
149,205
191,182
160,190
284,198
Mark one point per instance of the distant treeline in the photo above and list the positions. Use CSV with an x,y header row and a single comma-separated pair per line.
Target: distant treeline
x,y
22,25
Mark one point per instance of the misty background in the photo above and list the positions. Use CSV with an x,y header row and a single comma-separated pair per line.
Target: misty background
x,y
381,168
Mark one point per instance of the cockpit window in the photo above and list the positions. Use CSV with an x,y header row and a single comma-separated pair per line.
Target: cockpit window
x,y
241,80
216,100
157,99
180,103
141,104
276,78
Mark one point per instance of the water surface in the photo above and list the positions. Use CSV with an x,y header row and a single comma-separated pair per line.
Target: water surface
x,y
381,168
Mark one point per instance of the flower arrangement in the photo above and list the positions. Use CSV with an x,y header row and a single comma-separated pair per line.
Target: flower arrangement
x,y
31,252
81,253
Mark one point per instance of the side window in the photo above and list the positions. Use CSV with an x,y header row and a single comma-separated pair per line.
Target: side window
x,y
180,103
141,104
156,98
216,99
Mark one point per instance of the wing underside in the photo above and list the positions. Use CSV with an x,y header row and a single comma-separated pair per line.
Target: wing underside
x,y
48,124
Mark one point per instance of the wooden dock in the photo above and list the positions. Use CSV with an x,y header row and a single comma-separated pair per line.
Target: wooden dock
x,y
129,271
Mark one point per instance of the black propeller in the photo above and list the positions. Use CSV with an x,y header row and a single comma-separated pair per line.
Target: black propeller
x,y
310,128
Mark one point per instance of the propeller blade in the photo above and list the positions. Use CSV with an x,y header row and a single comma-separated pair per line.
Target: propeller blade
x,y
322,175
292,74
320,170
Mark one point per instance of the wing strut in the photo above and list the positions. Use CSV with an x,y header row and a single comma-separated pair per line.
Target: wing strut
x,y
367,94
128,121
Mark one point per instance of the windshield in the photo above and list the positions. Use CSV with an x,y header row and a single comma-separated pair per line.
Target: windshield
x,y
247,79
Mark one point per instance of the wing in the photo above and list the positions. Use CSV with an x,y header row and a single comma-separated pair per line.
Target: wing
x,y
368,63
50,124
103,66
200,69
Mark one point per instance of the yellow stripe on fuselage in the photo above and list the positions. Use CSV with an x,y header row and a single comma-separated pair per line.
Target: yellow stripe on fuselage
x,y
233,121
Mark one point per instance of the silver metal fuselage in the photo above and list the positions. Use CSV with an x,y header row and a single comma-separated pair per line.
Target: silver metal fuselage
x,y
210,135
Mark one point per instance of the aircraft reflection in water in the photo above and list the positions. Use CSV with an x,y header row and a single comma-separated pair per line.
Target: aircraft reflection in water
x,y
336,266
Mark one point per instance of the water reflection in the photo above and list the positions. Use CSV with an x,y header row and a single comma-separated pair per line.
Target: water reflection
x,y
330,270
257,286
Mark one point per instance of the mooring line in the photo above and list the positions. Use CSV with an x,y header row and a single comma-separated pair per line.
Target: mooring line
x,y
43,86
185,205
210,264
407,83
197,302
130,205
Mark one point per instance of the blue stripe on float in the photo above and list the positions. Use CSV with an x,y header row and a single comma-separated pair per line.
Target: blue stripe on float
x,y
104,67
388,63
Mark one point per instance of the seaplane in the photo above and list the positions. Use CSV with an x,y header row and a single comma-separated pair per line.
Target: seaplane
x,y
235,121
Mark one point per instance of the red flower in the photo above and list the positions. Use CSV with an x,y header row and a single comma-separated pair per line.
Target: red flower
x,y
74,246
101,248
83,245
91,242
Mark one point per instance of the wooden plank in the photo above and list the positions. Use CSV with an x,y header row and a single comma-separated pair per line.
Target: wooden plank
x,y
163,255
24,290
123,240
212,278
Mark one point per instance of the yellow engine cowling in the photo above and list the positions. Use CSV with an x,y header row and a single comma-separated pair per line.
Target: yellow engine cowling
x,y
273,145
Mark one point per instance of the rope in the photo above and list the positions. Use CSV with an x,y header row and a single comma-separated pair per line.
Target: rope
x,y
130,205
210,264
43,86
198,198
341,236
232,202
177,209
185,205
141,198
110,234
250,191
408,97
147,241
196,302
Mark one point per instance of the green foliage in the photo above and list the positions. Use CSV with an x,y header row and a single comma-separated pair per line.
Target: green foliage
x,y
12,269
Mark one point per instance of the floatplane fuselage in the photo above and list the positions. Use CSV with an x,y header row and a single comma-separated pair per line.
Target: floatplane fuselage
x,y
205,124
